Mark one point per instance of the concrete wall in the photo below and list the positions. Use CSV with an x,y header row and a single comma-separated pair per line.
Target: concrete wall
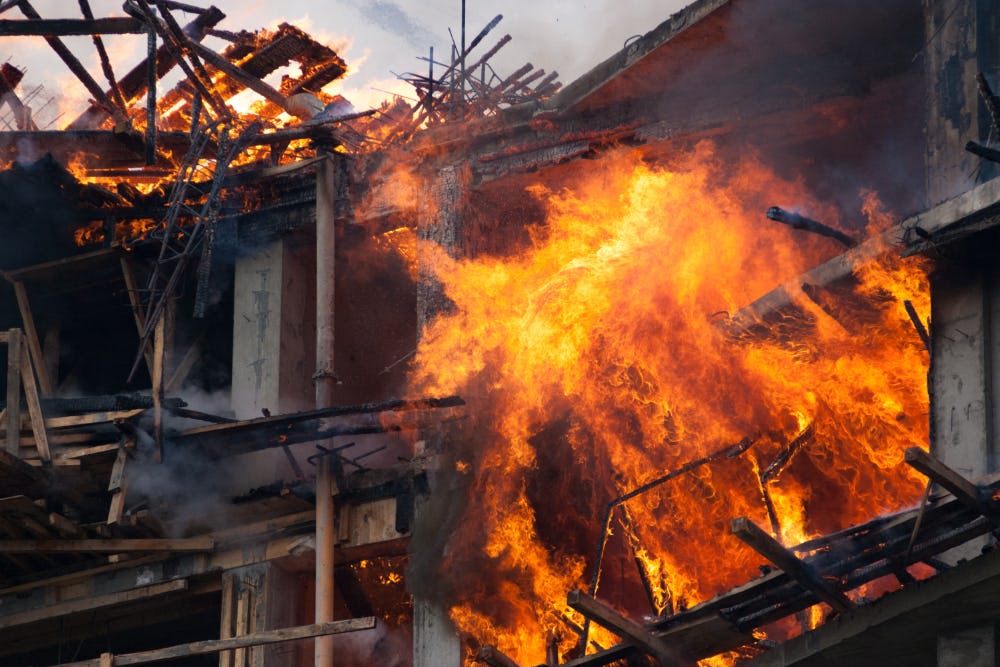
x,y
961,41
965,368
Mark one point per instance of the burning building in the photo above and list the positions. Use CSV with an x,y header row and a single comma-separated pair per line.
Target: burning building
x,y
687,361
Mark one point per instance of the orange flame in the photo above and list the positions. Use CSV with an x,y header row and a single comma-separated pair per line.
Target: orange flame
x,y
593,362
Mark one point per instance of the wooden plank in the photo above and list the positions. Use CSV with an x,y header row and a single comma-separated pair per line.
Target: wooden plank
x,y
92,418
116,508
118,469
264,527
184,366
70,27
786,560
20,505
81,574
116,484
242,624
107,660
216,645
968,493
64,526
35,409
92,602
65,464
178,545
626,628
226,617
13,410
31,333
80,452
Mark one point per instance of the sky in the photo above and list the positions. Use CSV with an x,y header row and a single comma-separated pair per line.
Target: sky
x,y
377,38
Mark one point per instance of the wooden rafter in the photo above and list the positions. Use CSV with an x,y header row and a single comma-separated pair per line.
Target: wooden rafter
x,y
70,27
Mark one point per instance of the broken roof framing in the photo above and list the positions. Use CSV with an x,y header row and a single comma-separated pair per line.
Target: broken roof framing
x,y
56,459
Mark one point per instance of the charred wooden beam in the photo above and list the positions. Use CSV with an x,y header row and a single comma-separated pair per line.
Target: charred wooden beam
x,y
70,27
796,221
991,154
494,657
774,551
178,45
968,493
179,545
102,54
239,74
76,66
133,84
624,627
151,98
775,468
925,337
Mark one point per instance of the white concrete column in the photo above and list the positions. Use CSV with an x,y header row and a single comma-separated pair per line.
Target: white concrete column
x,y
273,330
435,643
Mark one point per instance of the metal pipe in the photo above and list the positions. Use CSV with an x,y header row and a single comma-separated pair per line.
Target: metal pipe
x,y
325,382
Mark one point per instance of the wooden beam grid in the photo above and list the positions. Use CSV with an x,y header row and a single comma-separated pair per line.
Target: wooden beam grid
x,y
829,565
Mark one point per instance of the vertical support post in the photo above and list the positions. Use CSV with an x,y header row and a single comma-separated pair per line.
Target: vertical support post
x,y
158,353
243,618
325,382
34,344
324,558
14,338
35,409
226,617
151,97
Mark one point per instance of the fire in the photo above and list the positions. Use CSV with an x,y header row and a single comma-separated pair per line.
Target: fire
x,y
594,361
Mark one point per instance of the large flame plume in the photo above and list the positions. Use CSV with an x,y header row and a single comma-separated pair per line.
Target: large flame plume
x,y
597,358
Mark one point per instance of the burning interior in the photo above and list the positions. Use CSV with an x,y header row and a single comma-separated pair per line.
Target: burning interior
x,y
687,361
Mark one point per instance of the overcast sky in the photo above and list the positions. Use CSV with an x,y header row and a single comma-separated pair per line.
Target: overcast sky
x,y
375,37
